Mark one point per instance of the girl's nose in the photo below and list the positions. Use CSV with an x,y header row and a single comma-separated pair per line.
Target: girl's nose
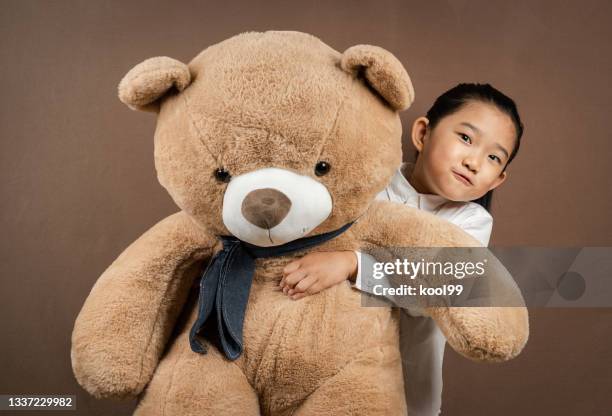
x,y
471,164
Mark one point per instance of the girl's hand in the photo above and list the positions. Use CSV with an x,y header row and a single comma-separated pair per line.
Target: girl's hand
x,y
317,271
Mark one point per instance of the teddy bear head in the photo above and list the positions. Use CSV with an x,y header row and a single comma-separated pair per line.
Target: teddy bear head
x,y
274,136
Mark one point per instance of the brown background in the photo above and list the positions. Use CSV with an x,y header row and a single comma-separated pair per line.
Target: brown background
x,y
78,181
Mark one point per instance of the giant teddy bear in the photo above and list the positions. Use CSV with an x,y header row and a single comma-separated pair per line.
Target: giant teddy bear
x,y
262,140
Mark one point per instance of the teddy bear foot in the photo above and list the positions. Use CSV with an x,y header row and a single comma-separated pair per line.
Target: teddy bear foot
x,y
371,384
188,384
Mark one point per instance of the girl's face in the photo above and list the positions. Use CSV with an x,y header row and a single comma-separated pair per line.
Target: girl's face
x,y
464,155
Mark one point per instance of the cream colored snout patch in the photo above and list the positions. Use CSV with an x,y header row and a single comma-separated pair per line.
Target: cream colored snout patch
x,y
272,206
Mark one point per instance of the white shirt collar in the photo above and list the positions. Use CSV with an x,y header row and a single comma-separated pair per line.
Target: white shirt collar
x,y
403,191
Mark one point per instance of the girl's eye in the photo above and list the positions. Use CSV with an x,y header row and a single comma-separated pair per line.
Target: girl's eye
x,y
495,158
465,138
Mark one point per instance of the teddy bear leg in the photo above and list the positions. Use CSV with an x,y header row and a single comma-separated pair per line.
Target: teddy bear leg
x,y
187,383
371,384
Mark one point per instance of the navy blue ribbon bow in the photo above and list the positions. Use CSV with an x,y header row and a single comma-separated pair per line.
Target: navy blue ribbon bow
x,y
225,286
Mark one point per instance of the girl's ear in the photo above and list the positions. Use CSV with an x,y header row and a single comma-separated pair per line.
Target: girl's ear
x,y
499,180
148,81
419,131
382,71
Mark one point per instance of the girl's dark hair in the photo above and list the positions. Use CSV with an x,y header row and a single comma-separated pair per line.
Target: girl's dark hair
x,y
453,99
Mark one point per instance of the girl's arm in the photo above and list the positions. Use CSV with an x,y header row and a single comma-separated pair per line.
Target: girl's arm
x,y
318,271
326,269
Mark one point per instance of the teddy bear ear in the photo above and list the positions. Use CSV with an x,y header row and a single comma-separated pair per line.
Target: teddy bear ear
x,y
382,71
144,84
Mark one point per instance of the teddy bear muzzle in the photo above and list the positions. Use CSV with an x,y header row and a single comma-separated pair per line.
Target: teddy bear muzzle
x,y
272,206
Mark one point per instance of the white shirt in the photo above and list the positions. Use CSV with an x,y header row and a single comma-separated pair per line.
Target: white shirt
x,y
421,341
469,216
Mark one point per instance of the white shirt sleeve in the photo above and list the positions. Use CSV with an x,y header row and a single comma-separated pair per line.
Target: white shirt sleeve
x,y
357,284
476,221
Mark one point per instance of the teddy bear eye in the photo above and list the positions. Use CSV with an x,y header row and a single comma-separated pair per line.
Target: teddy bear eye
x,y
222,175
322,168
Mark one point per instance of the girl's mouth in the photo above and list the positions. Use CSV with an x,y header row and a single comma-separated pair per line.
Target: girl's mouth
x,y
462,178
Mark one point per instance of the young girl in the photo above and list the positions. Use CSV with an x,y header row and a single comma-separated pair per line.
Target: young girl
x,y
465,143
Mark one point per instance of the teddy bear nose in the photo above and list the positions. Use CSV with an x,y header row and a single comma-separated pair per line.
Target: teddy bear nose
x,y
265,207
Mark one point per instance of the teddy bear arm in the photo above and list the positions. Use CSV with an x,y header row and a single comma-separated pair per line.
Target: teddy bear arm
x,y
493,334
480,333
127,318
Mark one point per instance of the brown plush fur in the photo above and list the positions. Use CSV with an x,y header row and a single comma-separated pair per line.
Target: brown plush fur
x,y
274,99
